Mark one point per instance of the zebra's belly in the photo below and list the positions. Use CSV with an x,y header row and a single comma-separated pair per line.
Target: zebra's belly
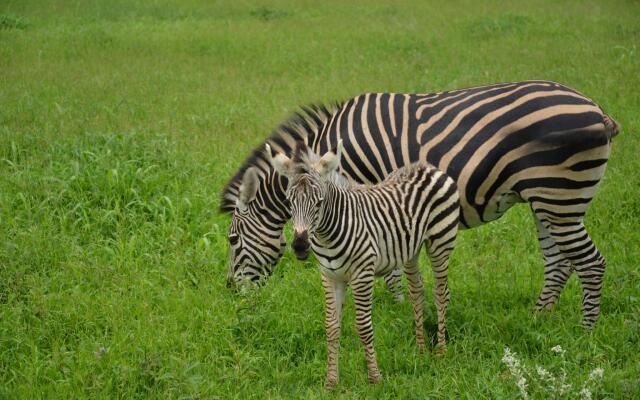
x,y
344,271
387,263
339,270
488,210
343,268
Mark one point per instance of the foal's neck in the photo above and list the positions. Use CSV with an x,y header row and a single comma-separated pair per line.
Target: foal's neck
x,y
337,209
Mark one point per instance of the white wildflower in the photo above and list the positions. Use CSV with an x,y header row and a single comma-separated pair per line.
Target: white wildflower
x,y
545,383
596,374
509,358
564,388
522,385
542,373
585,394
100,352
515,368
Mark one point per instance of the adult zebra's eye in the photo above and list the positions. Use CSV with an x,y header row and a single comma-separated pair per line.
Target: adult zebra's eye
x,y
233,239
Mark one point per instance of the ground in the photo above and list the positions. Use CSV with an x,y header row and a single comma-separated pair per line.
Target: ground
x,y
121,121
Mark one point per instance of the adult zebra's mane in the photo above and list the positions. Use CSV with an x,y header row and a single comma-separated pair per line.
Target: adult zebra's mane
x,y
303,125
304,159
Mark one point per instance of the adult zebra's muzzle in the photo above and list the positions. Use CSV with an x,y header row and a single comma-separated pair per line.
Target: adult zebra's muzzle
x,y
301,245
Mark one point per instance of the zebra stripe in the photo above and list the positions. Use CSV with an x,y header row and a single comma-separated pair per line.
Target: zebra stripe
x,y
358,232
536,142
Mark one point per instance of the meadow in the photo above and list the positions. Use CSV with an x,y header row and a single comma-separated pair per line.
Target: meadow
x,y
121,121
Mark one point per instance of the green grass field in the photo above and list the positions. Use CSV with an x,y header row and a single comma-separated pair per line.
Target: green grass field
x,y
121,121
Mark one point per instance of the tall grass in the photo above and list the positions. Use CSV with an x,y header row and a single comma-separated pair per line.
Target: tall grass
x,y
121,121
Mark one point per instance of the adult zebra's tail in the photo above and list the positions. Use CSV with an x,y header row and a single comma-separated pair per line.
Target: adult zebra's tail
x,y
612,127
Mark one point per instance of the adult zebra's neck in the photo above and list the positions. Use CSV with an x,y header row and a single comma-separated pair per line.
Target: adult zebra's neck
x,y
271,199
308,126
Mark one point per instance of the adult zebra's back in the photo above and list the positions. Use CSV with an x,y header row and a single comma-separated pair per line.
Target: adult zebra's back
x,y
534,141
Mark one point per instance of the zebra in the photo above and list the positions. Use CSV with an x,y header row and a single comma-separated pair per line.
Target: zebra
x,y
259,258
536,142
359,231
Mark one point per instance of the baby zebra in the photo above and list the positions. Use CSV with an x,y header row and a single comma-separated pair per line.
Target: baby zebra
x,y
358,232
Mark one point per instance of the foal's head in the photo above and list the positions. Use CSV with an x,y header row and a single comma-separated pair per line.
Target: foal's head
x,y
306,190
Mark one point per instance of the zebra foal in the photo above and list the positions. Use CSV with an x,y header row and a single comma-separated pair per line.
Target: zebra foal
x,y
359,231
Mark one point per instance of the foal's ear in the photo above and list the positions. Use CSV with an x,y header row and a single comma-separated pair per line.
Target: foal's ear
x,y
330,161
281,163
248,188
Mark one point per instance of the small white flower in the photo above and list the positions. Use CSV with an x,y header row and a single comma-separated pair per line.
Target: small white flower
x,y
100,352
557,349
596,374
510,360
585,394
564,388
542,373
522,385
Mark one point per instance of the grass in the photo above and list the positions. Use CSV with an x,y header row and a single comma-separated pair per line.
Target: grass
x,y
120,122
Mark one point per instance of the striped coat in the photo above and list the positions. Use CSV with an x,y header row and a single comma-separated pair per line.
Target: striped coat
x,y
535,142
358,232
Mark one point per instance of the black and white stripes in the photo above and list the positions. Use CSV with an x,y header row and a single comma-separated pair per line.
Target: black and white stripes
x,y
361,231
536,142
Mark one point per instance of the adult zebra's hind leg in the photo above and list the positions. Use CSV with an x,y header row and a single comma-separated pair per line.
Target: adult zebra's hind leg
x,y
416,293
393,279
557,269
576,245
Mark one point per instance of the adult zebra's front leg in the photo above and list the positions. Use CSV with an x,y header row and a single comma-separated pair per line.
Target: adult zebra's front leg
x,y
557,269
334,297
362,289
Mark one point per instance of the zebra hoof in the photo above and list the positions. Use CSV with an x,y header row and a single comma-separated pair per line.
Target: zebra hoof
x,y
588,325
374,379
330,384
540,308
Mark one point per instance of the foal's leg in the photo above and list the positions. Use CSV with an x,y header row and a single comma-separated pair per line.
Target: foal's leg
x,y
416,292
362,288
334,296
440,246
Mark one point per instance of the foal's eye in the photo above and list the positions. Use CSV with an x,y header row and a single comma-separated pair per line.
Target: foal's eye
x,y
234,239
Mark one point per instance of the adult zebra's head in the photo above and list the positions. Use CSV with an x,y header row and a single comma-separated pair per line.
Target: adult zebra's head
x,y
256,238
306,190
256,199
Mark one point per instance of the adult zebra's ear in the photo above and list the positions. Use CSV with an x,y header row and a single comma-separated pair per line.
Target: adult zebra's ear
x,y
281,163
248,188
330,161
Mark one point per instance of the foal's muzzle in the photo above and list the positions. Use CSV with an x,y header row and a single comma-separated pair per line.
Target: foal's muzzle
x,y
301,245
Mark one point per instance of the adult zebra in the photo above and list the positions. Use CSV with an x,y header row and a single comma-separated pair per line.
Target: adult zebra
x,y
538,142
